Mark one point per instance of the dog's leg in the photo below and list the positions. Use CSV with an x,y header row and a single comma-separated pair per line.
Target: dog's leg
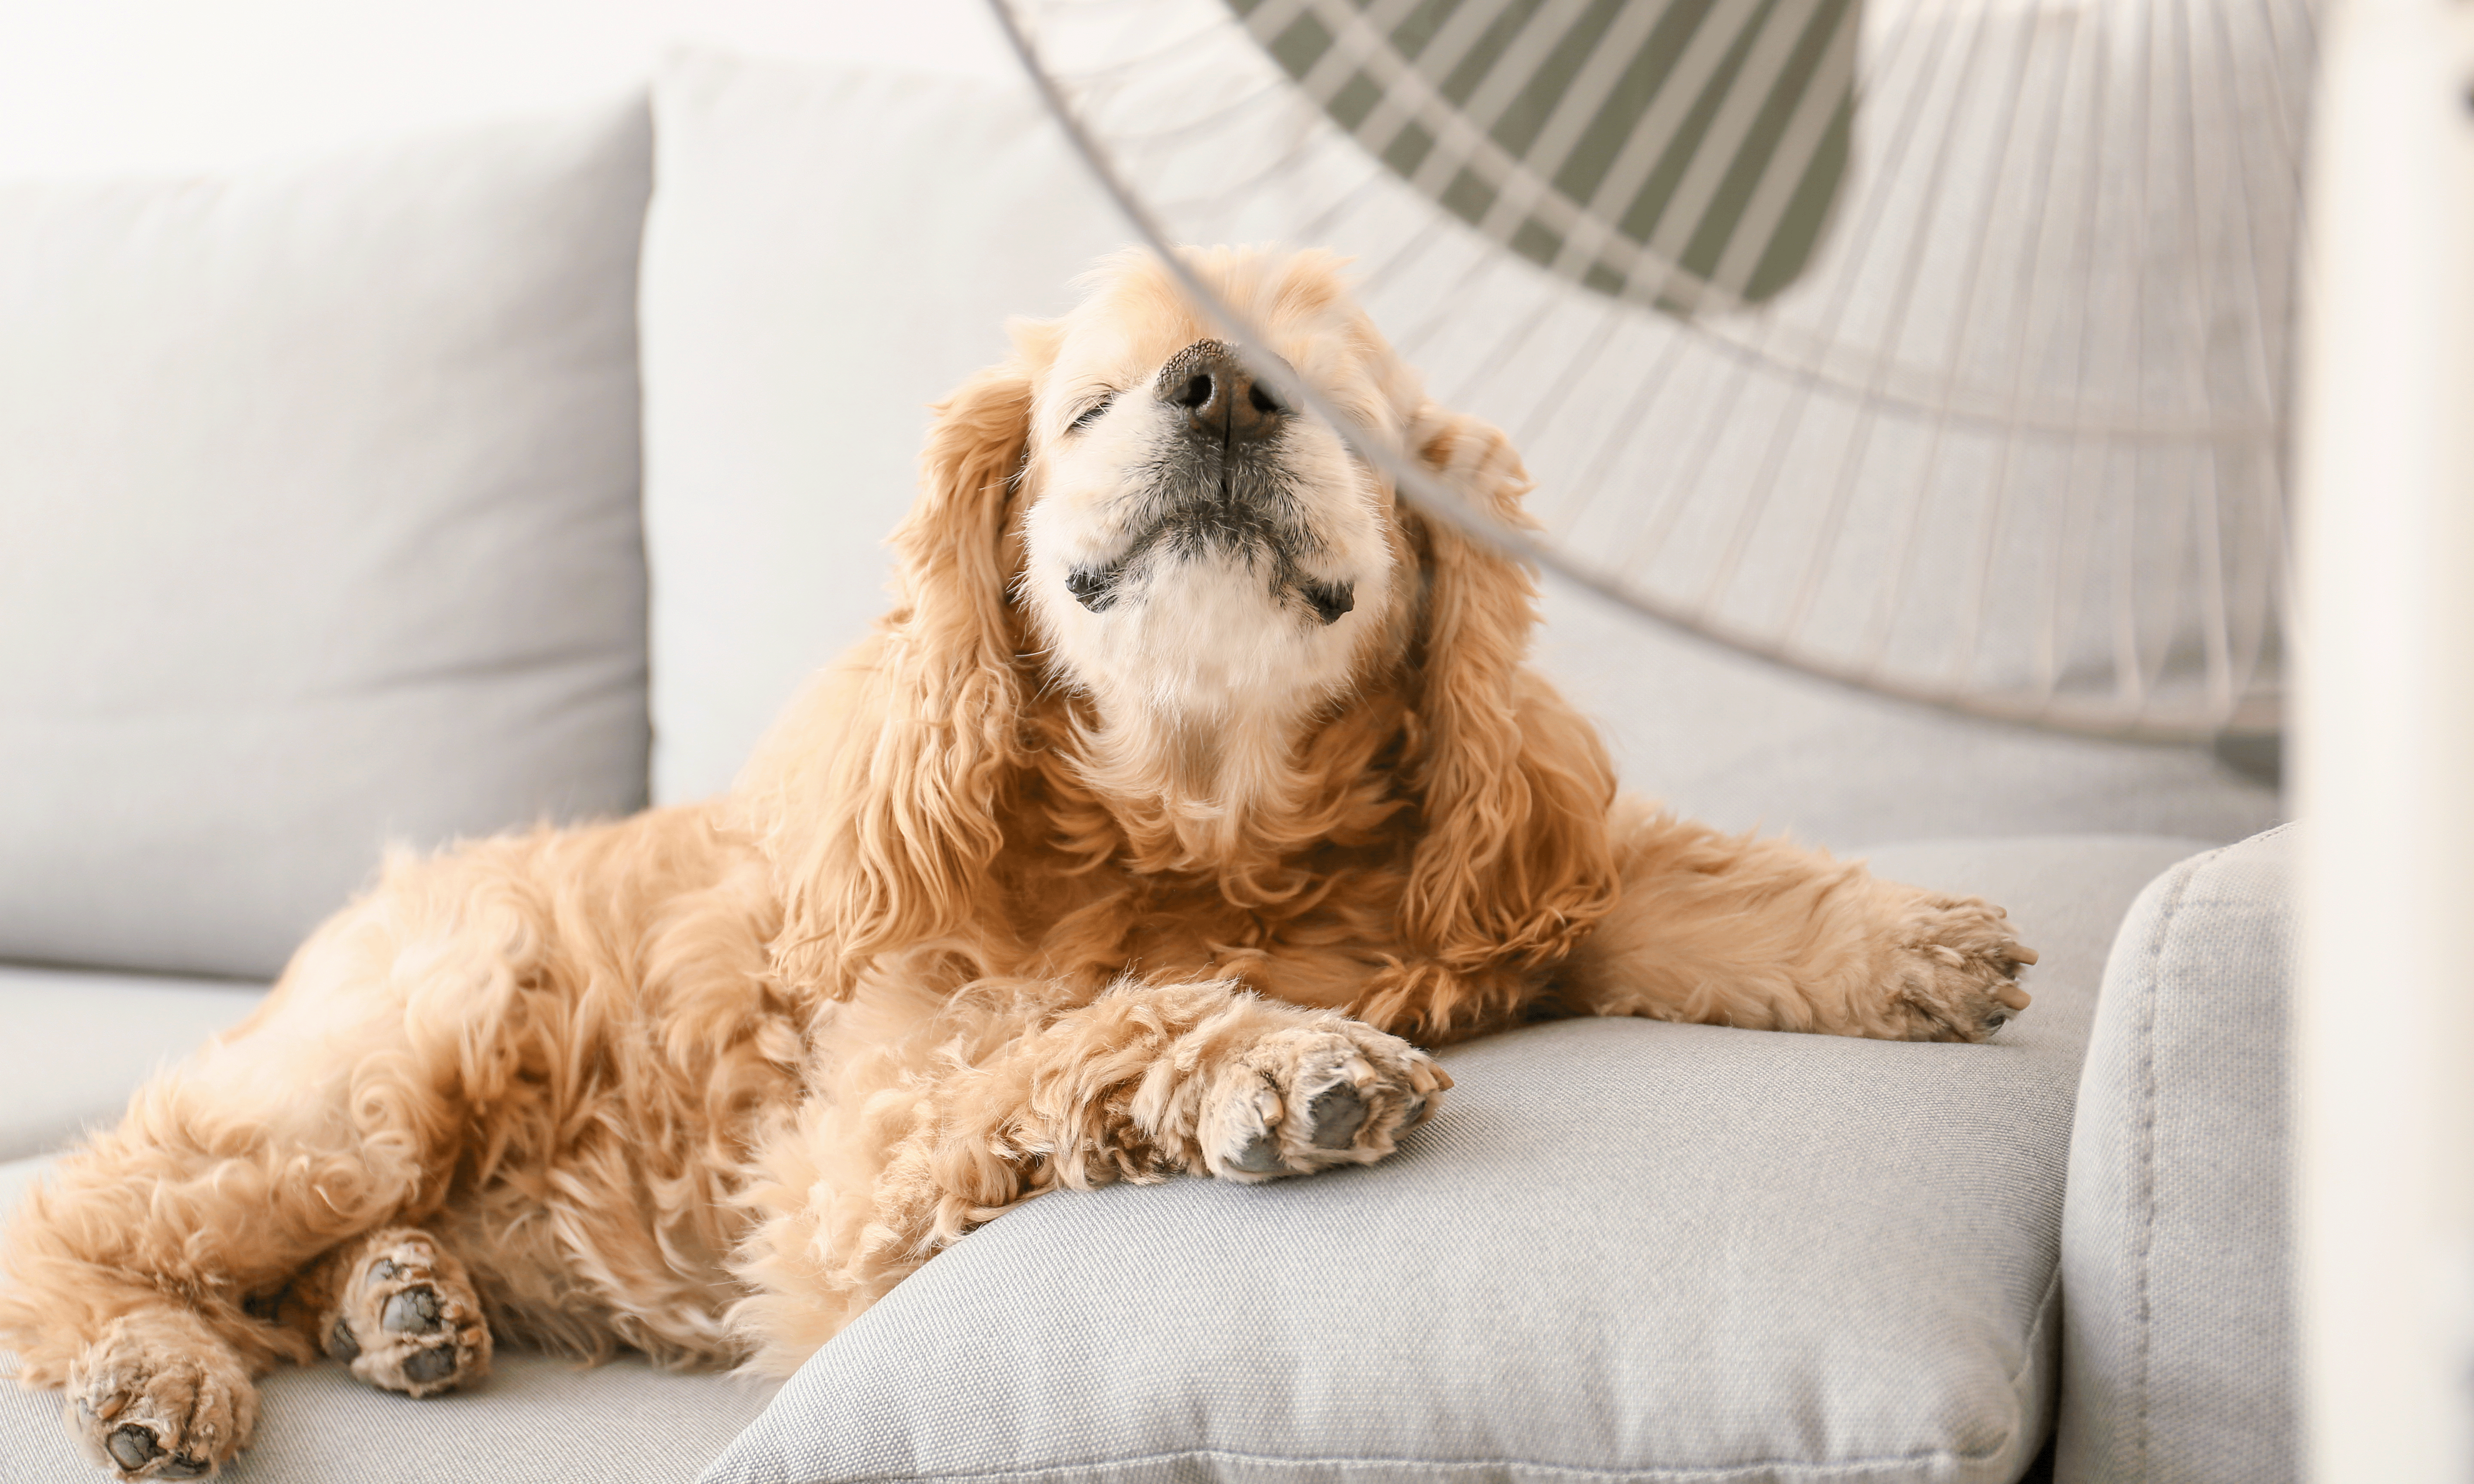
x,y
397,1307
1728,931
147,1267
916,1145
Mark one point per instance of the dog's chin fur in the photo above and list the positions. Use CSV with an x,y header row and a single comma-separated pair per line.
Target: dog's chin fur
x,y
1027,891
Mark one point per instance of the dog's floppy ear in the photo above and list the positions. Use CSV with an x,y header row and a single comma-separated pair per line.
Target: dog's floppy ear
x,y
1513,786
879,798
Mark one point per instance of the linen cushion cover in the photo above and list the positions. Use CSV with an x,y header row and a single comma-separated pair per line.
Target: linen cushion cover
x,y
1627,1250
318,530
2179,1348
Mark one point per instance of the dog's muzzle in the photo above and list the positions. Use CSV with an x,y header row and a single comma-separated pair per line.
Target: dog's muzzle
x,y
1225,491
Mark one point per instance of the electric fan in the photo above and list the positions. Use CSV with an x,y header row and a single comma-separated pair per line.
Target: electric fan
x,y
1937,347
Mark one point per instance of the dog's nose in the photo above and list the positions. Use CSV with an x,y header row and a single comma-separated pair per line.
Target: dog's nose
x,y
1220,399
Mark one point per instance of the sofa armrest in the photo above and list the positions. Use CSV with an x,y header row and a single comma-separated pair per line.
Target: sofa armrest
x,y
2178,1348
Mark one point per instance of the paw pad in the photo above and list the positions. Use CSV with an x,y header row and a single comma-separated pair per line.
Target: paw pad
x,y
133,1447
413,1311
1337,1112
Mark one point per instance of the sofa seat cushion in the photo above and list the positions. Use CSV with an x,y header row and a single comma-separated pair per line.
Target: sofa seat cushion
x,y
1630,1248
79,1042
320,527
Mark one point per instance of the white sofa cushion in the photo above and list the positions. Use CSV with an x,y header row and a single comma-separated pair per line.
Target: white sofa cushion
x,y
319,492
1625,1251
830,250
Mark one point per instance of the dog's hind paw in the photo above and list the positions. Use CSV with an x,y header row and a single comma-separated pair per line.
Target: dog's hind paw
x,y
1336,1091
404,1316
159,1396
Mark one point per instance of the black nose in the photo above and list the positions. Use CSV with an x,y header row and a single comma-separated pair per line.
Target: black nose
x,y
1220,399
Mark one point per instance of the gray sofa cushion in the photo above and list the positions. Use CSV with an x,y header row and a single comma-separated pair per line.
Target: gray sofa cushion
x,y
318,486
1646,1251
2176,1242
78,1043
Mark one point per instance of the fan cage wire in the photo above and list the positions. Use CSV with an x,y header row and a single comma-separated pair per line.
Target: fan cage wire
x,y
2235,701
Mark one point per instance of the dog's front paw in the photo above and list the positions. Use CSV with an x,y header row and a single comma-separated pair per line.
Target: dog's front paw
x,y
1336,1091
405,1317
158,1396
1954,972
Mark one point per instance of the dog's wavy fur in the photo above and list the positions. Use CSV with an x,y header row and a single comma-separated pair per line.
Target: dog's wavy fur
x,y
709,1081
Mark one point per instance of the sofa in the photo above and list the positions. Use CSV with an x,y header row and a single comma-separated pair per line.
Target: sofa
x,y
519,474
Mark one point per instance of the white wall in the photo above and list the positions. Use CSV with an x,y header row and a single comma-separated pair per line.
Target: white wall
x,y
91,85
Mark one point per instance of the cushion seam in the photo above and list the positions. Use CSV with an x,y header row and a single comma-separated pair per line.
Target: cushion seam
x,y
1711,1472
2143,1257
2045,1309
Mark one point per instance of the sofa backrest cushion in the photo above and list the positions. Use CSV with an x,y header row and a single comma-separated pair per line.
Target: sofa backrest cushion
x,y
318,530
831,249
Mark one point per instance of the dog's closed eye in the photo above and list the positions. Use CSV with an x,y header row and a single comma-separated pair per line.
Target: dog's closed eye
x,y
1095,412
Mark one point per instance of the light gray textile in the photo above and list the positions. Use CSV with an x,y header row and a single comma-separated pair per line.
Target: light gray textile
x,y
318,529
74,1044
1742,745
1647,1250
2177,1240
831,250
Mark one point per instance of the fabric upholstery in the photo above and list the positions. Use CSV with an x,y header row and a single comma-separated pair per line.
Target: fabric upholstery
x,y
1744,745
2177,1241
831,249
1626,1248
77,1043
320,496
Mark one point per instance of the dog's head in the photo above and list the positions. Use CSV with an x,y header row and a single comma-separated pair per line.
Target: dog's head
x,y
1119,512
1196,555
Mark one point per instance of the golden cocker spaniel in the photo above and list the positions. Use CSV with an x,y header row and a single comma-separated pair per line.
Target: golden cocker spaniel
x,y
1193,785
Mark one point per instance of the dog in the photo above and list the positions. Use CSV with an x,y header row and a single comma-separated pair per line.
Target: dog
x,y
1192,790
